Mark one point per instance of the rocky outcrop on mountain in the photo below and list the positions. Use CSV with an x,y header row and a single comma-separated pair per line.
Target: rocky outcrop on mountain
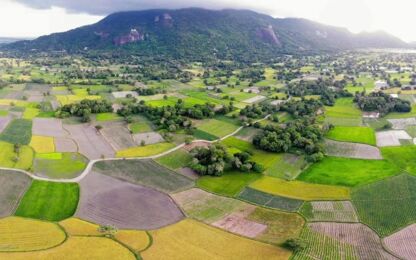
x,y
268,35
133,36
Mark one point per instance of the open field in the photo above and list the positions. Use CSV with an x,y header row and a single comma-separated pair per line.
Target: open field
x,y
392,138
64,166
117,135
10,159
348,172
18,131
42,144
145,151
205,206
175,160
403,243
229,184
378,204
144,172
49,201
352,150
193,240
216,127
364,135
103,117
269,200
14,185
344,113
76,248
403,157
19,234
300,190
108,201
78,227
134,239
4,121
48,127
398,124
331,211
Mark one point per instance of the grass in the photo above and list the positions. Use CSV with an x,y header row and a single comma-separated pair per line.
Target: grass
x,y
42,144
4,113
19,234
229,184
10,159
269,200
78,248
387,206
367,85
18,131
140,127
402,156
344,112
199,241
280,225
103,117
411,130
288,167
216,127
49,201
144,172
300,190
60,165
145,151
78,227
70,99
30,113
175,160
201,135
364,135
348,172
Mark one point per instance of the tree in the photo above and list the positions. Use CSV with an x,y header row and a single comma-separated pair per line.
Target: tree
x,y
210,160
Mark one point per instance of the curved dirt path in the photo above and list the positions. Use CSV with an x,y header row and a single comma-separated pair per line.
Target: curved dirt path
x,y
91,163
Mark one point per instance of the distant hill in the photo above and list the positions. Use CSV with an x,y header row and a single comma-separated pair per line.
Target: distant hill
x,y
8,40
194,33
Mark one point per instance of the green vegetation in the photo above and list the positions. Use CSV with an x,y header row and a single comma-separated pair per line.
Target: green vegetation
x,y
229,184
348,172
343,113
103,117
387,206
175,160
140,127
59,165
19,131
363,135
402,156
15,157
216,127
49,201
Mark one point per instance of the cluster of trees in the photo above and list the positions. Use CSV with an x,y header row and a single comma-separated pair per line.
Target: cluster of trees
x,y
148,91
258,110
299,135
84,109
382,103
174,117
302,108
213,160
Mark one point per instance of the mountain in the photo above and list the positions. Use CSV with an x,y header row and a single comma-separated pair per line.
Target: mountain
x,y
7,40
195,33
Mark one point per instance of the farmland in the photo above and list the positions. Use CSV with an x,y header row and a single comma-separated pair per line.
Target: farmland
x,y
145,151
364,135
14,185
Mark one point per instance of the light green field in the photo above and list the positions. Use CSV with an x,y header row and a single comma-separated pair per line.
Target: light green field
x,y
10,159
344,108
367,85
216,127
103,117
364,135
348,172
59,165
175,160
402,156
144,151
412,113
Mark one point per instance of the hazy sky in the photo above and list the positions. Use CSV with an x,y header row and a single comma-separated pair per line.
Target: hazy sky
x,y
38,17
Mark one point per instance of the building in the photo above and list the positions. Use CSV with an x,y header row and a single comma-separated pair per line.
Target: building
x,y
380,84
254,90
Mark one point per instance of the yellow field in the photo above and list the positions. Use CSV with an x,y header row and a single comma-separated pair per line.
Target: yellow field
x,y
18,103
78,248
19,234
70,99
42,144
190,239
78,227
30,113
300,190
144,151
135,239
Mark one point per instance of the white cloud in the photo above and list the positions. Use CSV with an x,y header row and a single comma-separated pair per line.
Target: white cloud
x,y
357,15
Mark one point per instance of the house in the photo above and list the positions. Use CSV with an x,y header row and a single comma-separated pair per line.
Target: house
x,y
210,88
371,115
380,84
278,102
394,95
254,90
140,85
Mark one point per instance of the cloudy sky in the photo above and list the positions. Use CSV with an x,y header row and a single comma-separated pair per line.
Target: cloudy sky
x,y
31,18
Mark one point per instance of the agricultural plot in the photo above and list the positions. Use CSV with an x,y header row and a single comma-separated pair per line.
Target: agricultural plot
x,y
229,184
18,131
104,117
19,234
331,211
147,138
205,206
4,121
175,160
140,127
287,166
49,201
105,200
30,113
300,190
364,135
216,127
348,172
14,185
247,133
392,138
145,151
193,240
378,204
90,143
144,172
403,243
398,124
403,157
344,113
117,135
65,145
11,158
78,248
59,165
42,144
134,239
269,200
78,227
255,99
352,150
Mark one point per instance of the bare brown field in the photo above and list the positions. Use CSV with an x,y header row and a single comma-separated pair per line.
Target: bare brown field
x,y
352,150
191,146
65,145
148,138
4,121
117,135
13,186
403,243
48,127
108,201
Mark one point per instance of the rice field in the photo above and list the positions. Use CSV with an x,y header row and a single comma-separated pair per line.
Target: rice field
x,y
42,144
364,135
333,211
145,151
216,127
59,165
78,227
18,131
134,239
10,159
175,160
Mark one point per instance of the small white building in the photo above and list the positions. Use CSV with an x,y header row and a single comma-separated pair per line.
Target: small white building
x,y
278,102
254,90
394,95
380,84
371,114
